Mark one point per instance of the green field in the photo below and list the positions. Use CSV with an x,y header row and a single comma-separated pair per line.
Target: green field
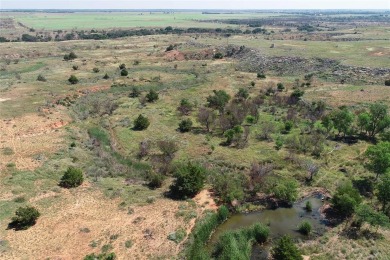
x,y
125,20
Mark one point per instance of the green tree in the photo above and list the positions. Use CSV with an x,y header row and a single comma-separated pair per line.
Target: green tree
x,y
378,158
280,87
242,94
365,213
152,96
73,79
185,125
384,191
283,189
285,249
25,217
141,123
218,100
343,120
72,178
124,73
346,199
379,119
189,180
233,134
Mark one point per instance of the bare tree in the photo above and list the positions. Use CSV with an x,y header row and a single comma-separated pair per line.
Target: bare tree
x,y
206,117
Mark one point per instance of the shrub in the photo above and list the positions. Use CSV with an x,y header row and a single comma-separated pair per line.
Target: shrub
x,y
288,125
308,206
25,217
72,178
285,249
41,78
218,55
189,181
177,236
170,48
261,76
260,232
96,70
122,66
106,76
73,79
387,82
185,107
346,199
103,256
156,180
152,96
124,73
134,92
72,55
280,87
305,228
185,125
141,123
75,67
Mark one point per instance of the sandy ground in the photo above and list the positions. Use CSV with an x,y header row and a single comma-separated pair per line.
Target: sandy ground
x,y
31,135
61,234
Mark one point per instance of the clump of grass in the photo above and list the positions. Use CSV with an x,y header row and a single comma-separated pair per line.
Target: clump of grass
x,y
20,199
178,235
106,248
305,228
128,243
8,151
308,206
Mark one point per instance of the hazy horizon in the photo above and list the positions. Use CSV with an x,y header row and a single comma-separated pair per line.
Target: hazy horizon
x,y
199,4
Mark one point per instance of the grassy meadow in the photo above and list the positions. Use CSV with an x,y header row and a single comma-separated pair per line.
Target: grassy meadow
x,y
115,210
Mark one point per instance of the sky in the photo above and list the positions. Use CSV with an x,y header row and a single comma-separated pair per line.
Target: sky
x,y
195,4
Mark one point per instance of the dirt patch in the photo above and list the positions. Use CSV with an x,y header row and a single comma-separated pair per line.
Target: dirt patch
x,y
4,99
29,136
60,232
174,55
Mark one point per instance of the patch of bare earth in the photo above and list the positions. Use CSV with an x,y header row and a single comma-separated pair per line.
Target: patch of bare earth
x,y
67,229
26,137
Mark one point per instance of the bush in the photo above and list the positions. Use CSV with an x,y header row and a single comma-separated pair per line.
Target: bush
x,y
106,76
25,217
156,180
73,79
141,123
261,76
308,206
96,70
122,66
260,232
72,178
134,92
285,249
41,78
152,96
170,48
75,67
103,256
124,73
280,87
189,181
70,56
185,125
387,82
218,55
346,199
305,228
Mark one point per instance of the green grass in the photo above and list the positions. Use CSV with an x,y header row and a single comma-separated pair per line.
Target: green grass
x,y
125,20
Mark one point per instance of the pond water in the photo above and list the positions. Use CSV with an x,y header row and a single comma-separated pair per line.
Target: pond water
x,y
281,221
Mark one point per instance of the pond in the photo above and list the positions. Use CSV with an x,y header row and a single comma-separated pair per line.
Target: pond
x,y
281,221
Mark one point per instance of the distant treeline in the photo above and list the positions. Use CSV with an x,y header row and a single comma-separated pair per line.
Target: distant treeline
x,y
114,34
